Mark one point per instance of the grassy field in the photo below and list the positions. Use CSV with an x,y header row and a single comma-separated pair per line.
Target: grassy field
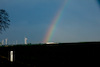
x,y
52,55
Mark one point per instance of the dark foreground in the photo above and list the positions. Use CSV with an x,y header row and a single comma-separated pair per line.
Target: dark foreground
x,y
54,55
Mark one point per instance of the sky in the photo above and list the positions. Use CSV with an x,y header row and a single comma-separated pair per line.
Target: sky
x,y
79,20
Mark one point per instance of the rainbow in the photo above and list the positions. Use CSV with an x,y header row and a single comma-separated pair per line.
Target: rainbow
x,y
54,23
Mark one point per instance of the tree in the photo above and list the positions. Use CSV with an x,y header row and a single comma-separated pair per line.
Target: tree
x,y
4,20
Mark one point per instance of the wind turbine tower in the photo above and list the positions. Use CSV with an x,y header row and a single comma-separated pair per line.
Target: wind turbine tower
x,y
25,40
2,42
6,41
16,42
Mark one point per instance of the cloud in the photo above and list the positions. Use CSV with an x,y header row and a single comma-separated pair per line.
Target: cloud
x,y
98,2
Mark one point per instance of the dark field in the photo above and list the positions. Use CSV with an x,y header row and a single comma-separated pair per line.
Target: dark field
x,y
52,55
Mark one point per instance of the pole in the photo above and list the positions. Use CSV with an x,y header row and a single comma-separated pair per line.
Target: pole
x,y
11,56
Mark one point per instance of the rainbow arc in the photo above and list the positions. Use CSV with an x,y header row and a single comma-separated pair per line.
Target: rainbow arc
x,y
54,22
